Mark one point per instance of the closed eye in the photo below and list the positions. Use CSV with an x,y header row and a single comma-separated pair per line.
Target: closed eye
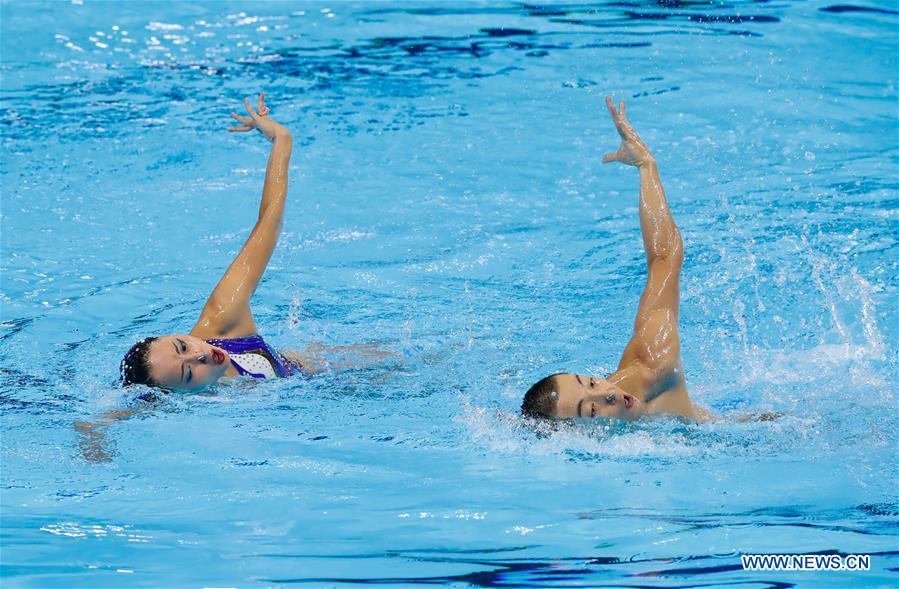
x,y
181,347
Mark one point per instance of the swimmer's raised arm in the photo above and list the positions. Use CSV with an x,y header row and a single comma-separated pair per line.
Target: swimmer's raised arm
x,y
661,237
655,344
227,312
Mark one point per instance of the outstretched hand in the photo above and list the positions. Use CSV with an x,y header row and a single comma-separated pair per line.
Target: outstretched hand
x,y
633,151
258,120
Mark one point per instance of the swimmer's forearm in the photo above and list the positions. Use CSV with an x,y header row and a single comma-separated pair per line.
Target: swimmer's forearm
x,y
92,435
661,237
274,190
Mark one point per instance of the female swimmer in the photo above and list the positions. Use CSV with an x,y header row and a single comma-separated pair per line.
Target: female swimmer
x,y
224,342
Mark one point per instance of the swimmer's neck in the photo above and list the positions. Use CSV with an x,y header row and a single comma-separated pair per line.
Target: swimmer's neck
x,y
662,392
638,381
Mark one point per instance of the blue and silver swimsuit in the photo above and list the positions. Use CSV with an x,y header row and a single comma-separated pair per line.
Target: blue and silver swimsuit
x,y
251,356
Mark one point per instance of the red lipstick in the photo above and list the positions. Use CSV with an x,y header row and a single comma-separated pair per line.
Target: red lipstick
x,y
218,356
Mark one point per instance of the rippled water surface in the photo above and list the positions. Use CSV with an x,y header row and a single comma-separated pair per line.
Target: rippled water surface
x,y
447,203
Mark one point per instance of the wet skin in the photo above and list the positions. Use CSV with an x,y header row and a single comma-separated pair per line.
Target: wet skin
x,y
650,367
187,363
581,395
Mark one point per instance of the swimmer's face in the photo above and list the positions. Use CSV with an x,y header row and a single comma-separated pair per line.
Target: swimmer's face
x,y
590,396
186,363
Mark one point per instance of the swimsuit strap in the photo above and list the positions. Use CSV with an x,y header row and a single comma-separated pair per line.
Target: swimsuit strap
x,y
254,344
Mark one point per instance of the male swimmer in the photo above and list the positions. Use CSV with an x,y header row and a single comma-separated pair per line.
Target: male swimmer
x,y
224,342
650,374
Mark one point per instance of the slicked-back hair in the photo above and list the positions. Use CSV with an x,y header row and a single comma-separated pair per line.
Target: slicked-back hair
x,y
541,399
135,368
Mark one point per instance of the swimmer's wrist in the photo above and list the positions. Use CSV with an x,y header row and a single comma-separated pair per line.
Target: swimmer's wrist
x,y
282,134
648,163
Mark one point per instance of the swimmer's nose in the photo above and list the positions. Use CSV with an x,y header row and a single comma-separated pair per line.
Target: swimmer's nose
x,y
610,398
202,358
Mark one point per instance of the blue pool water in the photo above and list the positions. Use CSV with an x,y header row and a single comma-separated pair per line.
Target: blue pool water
x,y
447,203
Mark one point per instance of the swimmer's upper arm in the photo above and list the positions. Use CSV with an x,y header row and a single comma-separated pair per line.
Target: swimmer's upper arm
x,y
227,312
655,341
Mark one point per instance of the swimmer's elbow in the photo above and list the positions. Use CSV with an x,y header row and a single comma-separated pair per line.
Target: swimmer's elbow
x,y
668,252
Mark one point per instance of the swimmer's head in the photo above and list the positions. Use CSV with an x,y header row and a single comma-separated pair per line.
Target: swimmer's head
x,y
542,398
564,396
134,368
180,362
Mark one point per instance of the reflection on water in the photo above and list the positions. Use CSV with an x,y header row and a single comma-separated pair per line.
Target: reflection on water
x,y
200,54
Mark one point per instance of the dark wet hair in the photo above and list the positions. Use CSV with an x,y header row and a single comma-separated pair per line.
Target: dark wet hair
x,y
540,400
134,367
